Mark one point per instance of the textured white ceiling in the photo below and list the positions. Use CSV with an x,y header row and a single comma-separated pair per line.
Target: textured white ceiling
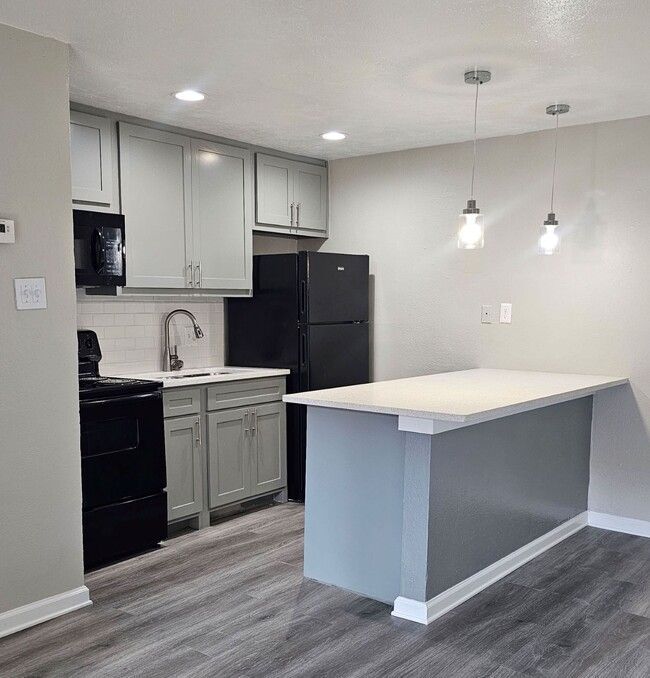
x,y
389,73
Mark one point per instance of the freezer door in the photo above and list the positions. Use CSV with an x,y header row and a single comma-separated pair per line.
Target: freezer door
x,y
334,355
333,287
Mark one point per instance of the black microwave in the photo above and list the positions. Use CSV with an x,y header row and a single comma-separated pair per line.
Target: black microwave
x,y
99,249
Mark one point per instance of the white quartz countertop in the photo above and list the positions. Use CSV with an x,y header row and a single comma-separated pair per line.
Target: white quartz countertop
x,y
466,396
207,375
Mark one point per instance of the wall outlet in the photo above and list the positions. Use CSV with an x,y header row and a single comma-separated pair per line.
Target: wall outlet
x,y
505,315
486,313
30,293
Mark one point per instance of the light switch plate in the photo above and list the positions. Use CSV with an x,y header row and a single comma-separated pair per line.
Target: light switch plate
x,y
506,314
7,231
30,293
486,313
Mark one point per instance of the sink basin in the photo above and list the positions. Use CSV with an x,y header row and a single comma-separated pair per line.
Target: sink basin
x,y
197,375
191,376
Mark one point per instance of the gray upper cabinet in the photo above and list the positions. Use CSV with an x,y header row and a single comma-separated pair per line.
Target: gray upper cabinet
x,y
268,448
91,160
184,474
310,197
221,216
155,178
291,196
229,456
274,185
187,204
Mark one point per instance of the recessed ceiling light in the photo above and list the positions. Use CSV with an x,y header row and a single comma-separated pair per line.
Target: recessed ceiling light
x,y
333,136
190,95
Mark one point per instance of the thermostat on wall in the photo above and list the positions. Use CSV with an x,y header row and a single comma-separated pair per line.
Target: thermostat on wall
x,y
7,232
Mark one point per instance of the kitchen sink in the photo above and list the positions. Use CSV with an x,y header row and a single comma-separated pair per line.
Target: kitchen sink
x,y
190,376
196,375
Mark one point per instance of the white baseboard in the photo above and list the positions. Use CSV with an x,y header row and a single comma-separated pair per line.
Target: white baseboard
x,y
41,610
607,521
426,612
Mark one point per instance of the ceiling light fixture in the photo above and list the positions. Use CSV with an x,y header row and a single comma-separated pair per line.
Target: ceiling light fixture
x,y
470,222
333,136
549,240
189,95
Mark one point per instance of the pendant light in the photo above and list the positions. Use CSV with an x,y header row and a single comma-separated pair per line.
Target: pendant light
x,y
470,222
549,240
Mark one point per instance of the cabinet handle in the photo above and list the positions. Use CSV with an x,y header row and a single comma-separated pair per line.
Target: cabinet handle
x,y
293,205
197,268
297,215
253,422
246,429
197,423
190,282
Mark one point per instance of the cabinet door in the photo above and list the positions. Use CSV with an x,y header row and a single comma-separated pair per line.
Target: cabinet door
x,y
155,179
183,457
221,216
310,196
274,190
229,477
91,159
268,448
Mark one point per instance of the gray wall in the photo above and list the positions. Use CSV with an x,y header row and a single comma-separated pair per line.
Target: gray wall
x,y
585,310
40,486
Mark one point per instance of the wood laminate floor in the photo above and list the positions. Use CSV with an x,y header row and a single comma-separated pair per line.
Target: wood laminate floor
x,y
231,601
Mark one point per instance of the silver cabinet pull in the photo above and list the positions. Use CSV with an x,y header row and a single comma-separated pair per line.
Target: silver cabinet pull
x,y
190,282
293,205
253,422
197,269
297,215
197,423
246,429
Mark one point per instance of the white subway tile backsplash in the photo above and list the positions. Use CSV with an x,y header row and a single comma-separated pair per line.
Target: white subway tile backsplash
x,y
132,336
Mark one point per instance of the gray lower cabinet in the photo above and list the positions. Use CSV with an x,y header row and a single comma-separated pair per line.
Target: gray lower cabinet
x,y
268,448
184,472
229,466
225,443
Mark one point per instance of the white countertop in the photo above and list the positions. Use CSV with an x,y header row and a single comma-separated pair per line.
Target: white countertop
x,y
466,396
214,375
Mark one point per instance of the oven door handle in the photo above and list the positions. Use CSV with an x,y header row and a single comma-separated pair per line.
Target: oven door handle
x,y
121,399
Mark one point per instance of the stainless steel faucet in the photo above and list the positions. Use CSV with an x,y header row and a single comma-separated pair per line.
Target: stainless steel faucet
x,y
172,361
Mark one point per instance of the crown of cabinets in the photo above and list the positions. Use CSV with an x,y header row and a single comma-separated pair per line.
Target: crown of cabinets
x,y
291,196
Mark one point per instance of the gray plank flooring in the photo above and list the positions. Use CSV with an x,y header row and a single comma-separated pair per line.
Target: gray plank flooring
x,y
231,601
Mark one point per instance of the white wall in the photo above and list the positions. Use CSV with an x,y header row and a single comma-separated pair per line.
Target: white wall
x,y
585,310
40,481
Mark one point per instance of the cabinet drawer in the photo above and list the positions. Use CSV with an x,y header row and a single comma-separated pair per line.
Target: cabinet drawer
x,y
242,393
178,402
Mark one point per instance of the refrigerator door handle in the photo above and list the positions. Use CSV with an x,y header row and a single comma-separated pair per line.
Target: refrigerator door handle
x,y
303,348
303,297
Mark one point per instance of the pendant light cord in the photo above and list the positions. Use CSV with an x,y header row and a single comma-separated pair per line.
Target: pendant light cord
x,y
471,192
557,125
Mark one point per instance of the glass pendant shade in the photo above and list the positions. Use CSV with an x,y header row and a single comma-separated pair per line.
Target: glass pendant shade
x,y
549,240
470,228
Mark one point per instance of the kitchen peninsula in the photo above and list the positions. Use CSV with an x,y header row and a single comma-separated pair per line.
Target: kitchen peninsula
x,y
423,491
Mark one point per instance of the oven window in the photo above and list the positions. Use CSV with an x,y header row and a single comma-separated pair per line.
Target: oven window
x,y
109,435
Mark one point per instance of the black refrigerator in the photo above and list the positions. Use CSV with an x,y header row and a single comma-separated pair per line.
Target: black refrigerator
x,y
308,314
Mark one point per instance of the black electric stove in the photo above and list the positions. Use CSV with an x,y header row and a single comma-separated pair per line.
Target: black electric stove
x,y
123,468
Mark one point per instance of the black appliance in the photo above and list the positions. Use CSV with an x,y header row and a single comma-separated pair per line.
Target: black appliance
x,y
99,249
309,314
123,474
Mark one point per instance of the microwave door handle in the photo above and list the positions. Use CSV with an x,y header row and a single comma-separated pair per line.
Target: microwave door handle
x,y
98,250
